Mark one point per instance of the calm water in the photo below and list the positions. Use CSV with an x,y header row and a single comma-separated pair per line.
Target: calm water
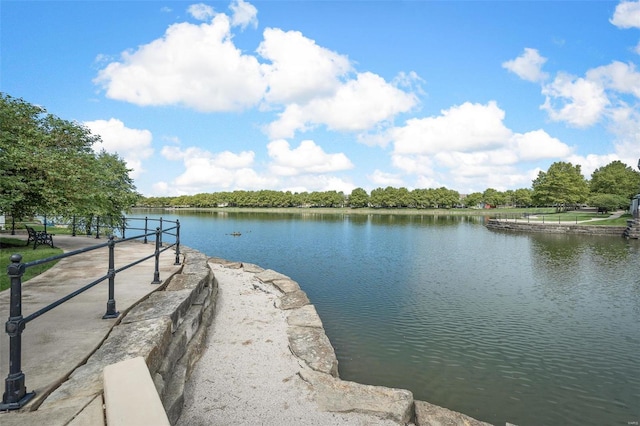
x,y
521,328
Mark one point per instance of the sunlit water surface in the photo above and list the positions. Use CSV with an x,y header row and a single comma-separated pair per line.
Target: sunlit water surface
x,y
531,329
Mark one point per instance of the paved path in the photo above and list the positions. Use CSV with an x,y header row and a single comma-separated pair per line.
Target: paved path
x,y
54,344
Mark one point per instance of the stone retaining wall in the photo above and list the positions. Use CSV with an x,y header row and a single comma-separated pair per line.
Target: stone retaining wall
x,y
556,228
633,229
168,329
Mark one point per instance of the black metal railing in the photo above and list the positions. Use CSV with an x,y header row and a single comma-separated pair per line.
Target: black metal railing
x,y
16,395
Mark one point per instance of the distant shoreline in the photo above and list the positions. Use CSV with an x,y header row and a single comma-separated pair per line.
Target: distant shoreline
x,y
352,211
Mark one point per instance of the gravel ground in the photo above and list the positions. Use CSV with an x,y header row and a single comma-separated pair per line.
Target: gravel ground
x,y
247,374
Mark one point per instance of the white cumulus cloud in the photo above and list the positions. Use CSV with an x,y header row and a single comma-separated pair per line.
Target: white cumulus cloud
x,y
578,101
300,70
307,158
357,105
384,179
468,144
537,145
205,171
462,128
133,145
196,66
201,11
527,66
627,15
617,76
244,14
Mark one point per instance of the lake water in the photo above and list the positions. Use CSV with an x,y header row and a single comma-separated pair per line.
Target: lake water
x,y
531,329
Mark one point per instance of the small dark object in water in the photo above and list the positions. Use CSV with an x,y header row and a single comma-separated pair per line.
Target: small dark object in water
x,y
235,234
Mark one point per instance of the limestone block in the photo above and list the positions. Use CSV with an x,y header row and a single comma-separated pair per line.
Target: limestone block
x,y
200,269
269,275
292,300
337,395
172,304
226,263
305,316
286,286
250,267
313,346
173,400
433,415
183,282
147,339
127,388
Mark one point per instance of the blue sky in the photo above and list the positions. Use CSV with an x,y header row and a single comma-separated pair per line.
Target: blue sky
x,y
334,95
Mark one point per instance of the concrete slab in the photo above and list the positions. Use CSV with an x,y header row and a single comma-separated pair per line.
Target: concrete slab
x,y
142,407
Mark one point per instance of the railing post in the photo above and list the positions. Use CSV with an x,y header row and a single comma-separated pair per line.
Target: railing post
x,y
111,303
156,272
161,231
177,262
13,224
15,395
146,230
73,226
97,227
124,226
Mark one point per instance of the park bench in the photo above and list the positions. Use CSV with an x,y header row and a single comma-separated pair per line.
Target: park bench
x,y
39,237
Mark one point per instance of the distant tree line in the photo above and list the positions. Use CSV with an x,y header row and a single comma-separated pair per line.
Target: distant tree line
x,y
562,186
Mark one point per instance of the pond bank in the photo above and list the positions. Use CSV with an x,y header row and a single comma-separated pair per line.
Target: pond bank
x,y
556,228
269,361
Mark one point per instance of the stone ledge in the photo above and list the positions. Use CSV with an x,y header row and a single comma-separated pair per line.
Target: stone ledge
x,y
312,345
433,415
123,407
167,329
557,228
335,395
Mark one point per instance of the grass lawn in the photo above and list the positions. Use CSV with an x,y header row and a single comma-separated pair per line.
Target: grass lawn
x,y
620,221
55,230
10,246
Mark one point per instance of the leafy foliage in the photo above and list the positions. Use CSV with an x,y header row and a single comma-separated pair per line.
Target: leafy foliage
x,y
562,186
608,202
48,166
358,198
616,178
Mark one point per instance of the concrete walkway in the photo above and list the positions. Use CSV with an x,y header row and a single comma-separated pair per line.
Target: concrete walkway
x,y
54,344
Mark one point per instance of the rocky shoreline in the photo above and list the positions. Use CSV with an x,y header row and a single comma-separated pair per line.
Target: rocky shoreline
x,y
246,292
555,228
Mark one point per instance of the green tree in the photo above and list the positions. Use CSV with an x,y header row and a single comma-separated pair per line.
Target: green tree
x,y
492,197
522,197
48,166
358,198
446,198
615,178
472,200
608,202
562,185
